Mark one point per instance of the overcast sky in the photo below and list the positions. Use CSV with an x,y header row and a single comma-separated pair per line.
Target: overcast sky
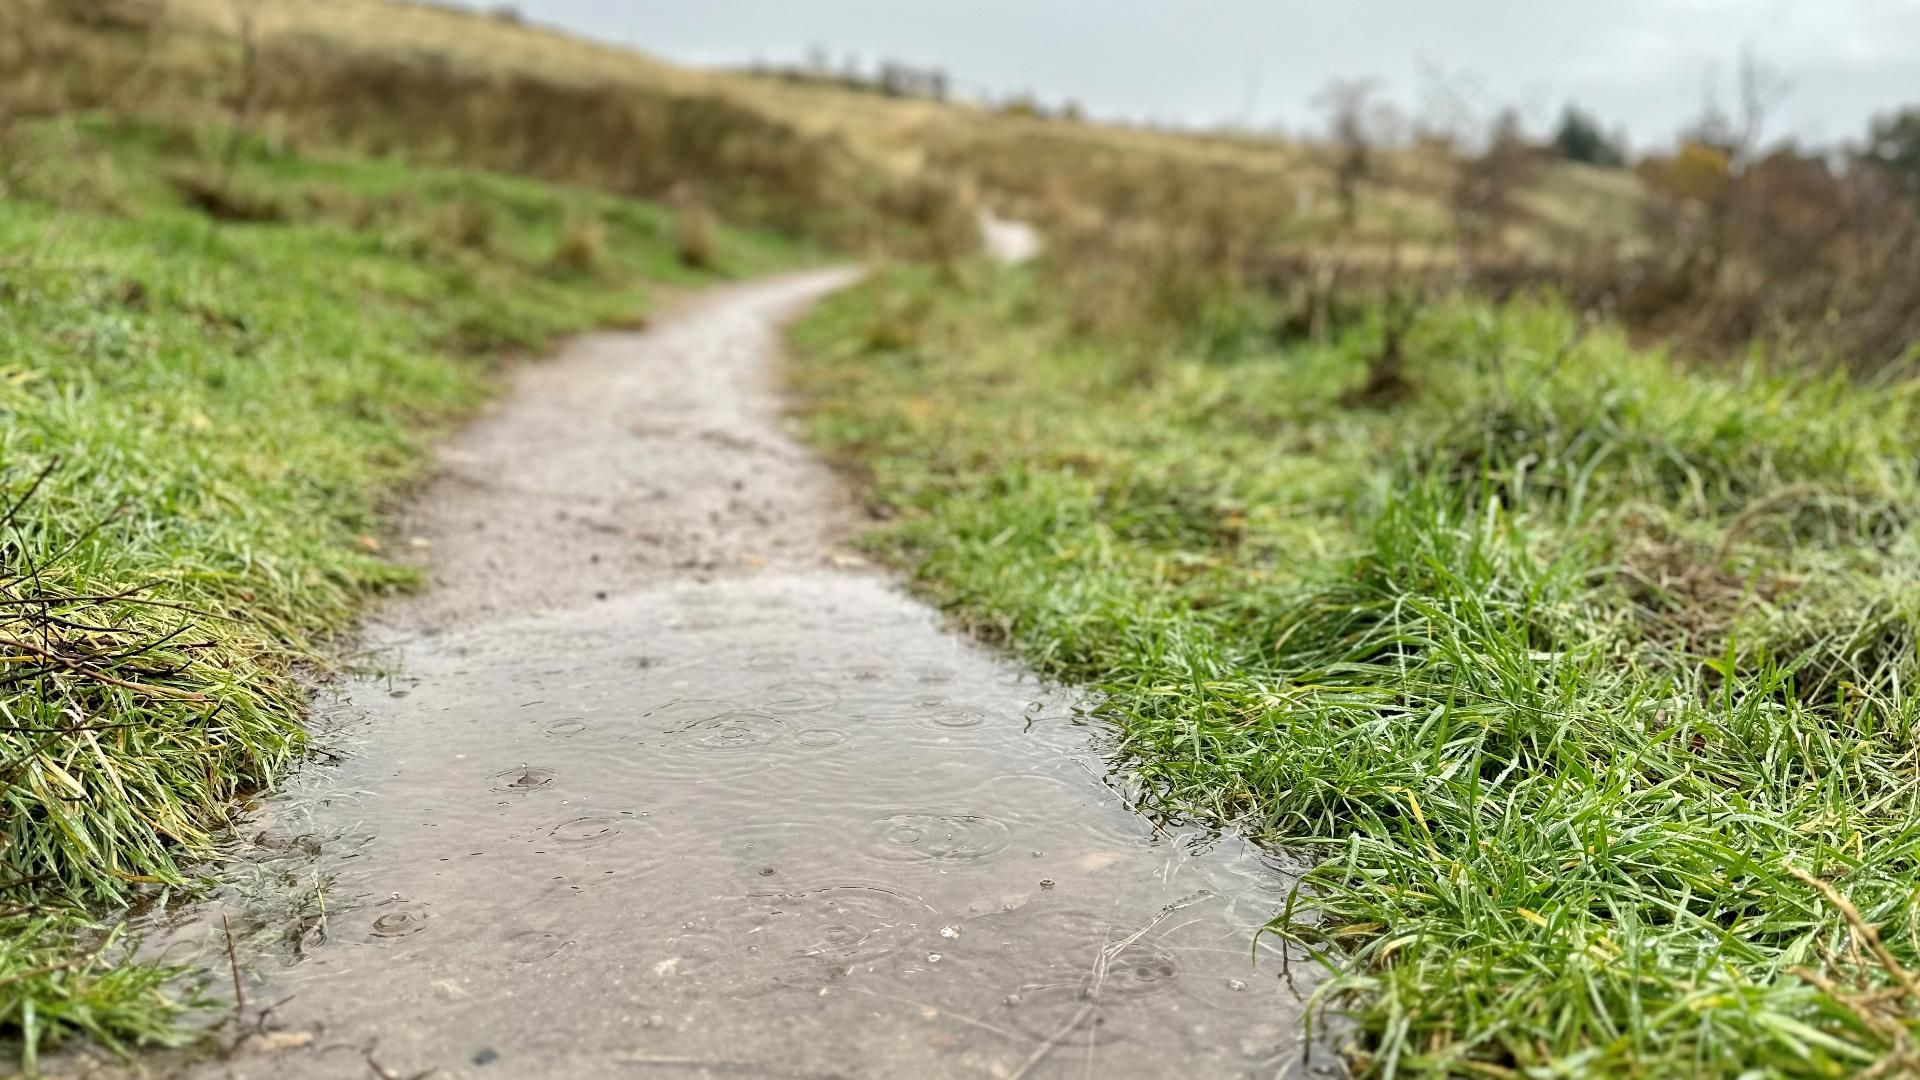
x,y
1644,65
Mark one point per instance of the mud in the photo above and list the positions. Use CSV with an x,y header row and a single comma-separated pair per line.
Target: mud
x,y
666,783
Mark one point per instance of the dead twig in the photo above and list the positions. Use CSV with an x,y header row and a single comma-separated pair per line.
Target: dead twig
x,y
1863,931
1046,1045
233,965
385,1073
15,883
79,668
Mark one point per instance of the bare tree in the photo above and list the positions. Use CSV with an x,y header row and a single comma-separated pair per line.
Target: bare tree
x,y
1346,103
1485,184
1451,106
1731,198
1761,87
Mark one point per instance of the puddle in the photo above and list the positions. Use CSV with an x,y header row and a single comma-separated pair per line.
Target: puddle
x,y
749,814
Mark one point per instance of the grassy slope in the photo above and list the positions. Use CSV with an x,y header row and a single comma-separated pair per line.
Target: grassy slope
x,y
1053,171
229,404
1566,666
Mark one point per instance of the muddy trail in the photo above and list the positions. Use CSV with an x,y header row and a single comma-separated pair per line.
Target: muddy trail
x,y
665,782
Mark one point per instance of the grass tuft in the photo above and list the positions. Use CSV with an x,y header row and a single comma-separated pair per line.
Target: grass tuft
x,y
581,249
694,230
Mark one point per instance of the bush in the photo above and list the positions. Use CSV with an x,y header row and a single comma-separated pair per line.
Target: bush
x,y
694,233
581,247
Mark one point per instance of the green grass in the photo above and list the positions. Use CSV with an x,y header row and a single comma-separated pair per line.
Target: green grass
x,y
1582,676
214,413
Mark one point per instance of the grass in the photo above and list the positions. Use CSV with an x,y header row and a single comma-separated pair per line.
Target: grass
x,y
209,386
437,87
900,173
1586,678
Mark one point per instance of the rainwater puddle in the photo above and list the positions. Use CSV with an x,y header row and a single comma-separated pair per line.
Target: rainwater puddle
x,y
772,822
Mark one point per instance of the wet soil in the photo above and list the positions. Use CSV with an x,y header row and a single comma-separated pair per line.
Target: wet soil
x,y
665,782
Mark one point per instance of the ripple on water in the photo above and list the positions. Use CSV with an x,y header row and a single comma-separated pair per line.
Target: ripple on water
x,y
1070,806
757,845
522,778
568,726
1083,948
669,716
953,717
799,696
932,836
821,934
1226,963
819,738
933,719
399,924
1067,1017
1082,980
733,733
697,949
587,830
530,946
1133,969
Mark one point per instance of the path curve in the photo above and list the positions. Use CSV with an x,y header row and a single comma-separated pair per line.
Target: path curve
x,y
667,785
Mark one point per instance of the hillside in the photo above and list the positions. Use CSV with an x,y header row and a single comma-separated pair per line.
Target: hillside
x,y
362,70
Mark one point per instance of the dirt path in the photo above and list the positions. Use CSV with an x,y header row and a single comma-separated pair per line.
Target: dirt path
x,y
667,785
1007,240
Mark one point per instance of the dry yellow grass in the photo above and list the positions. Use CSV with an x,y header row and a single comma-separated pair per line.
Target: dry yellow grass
x,y
1090,174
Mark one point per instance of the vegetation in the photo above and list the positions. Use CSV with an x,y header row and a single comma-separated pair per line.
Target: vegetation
x,y
1893,143
439,87
1785,246
1585,675
217,360
899,169
1585,678
1579,138
1812,251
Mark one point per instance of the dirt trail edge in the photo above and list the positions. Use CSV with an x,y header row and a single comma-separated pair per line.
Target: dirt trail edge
x,y
667,784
